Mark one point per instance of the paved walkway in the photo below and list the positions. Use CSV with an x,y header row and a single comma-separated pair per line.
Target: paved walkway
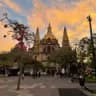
x,y
47,86
91,86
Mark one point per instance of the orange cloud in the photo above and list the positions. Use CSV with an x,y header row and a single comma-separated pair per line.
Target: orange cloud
x,y
6,43
61,14
1,4
11,4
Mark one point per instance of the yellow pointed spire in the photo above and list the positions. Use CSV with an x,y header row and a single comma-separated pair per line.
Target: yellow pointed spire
x,y
37,37
37,41
65,41
49,33
49,29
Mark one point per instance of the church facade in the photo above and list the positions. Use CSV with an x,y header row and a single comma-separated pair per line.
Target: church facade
x,y
42,48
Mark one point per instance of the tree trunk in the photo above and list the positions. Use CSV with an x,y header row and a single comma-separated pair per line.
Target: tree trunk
x,y
20,76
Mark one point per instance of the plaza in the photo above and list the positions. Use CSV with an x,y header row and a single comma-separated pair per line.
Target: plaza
x,y
48,48
43,86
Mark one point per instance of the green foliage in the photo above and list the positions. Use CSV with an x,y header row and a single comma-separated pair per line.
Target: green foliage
x,y
17,54
86,50
90,52
6,59
25,58
63,56
91,78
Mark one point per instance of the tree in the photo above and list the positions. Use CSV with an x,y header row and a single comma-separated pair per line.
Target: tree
x,y
63,56
24,57
5,61
85,50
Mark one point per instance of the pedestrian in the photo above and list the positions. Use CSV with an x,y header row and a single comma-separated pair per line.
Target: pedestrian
x,y
62,72
23,76
82,81
39,73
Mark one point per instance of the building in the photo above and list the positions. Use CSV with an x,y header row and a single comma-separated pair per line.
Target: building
x,y
42,48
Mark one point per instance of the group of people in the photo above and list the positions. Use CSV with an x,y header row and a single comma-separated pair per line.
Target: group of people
x,y
49,72
60,73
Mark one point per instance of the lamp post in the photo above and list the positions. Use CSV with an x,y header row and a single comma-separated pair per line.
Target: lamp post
x,y
92,42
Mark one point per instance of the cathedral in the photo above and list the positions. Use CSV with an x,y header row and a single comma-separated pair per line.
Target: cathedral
x,y
42,48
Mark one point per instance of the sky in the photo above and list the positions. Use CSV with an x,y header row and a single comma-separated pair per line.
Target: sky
x,y
39,13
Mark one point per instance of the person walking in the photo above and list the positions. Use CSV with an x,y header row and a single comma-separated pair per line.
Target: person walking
x,y
62,72
82,80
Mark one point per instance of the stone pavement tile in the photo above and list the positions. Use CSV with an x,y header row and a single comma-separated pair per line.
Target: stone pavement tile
x,y
4,92
14,92
11,91
23,92
3,86
35,85
44,92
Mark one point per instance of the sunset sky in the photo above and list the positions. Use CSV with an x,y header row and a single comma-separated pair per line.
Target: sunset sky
x,y
39,13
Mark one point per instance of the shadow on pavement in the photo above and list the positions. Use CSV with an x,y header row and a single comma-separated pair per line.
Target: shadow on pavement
x,y
70,92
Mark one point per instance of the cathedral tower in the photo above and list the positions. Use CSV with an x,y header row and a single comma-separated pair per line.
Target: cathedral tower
x,y
49,34
65,41
37,42
49,43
